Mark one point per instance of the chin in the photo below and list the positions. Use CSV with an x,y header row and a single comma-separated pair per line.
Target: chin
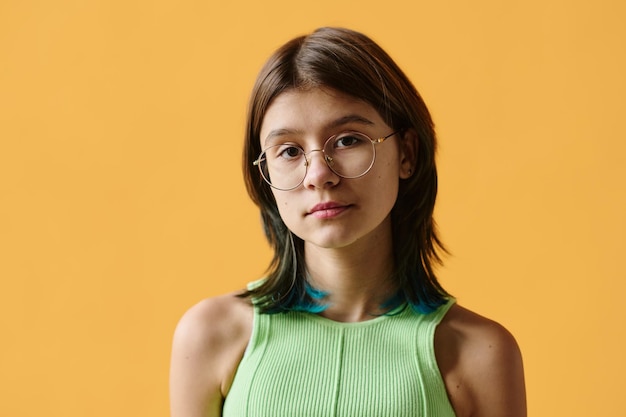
x,y
333,241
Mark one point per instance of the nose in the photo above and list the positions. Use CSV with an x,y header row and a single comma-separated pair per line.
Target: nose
x,y
319,174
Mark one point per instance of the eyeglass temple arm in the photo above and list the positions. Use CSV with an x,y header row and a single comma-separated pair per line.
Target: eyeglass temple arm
x,y
380,140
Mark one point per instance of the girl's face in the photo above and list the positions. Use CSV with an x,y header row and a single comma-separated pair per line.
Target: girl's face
x,y
326,210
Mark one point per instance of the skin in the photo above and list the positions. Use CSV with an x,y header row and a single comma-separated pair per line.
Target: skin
x,y
479,360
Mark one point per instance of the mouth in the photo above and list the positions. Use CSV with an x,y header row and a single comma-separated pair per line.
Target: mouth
x,y
328,210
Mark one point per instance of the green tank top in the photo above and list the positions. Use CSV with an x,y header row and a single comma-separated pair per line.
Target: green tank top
x,y
301,364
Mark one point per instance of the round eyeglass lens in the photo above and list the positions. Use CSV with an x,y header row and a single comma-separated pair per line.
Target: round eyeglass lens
x,y
350,154
283,166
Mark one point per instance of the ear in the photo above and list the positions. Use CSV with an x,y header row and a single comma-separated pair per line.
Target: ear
x,y
408,153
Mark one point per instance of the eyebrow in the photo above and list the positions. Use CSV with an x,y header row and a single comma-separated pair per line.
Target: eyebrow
x,y
350,118
342,121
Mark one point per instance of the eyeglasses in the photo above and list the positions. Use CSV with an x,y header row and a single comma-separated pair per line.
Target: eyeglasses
x,y
347,154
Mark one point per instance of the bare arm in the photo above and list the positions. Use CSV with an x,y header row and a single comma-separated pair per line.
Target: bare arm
x,y
498,383
208,344
482,366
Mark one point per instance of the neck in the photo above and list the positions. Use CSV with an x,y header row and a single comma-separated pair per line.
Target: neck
x,y
357,278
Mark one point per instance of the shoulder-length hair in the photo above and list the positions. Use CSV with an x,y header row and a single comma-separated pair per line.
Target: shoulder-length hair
x,y
349,62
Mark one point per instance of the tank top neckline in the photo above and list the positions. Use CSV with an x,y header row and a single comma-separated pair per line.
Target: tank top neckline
x,y
398,311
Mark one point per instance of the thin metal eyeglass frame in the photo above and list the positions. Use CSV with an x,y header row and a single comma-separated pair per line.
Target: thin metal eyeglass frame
x,y
327,159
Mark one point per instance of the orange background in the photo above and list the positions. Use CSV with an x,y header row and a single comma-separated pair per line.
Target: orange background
x,y
122,203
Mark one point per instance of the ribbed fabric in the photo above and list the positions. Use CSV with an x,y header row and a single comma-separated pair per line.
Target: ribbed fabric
x,y
301,364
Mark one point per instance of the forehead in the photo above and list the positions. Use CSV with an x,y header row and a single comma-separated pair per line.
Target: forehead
x,y
316,112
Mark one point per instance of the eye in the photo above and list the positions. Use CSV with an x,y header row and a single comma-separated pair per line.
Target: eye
x,y
288,152
349,140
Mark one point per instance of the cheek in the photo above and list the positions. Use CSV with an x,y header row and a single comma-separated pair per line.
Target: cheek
x,y
386,184
282,203
387,172
388,163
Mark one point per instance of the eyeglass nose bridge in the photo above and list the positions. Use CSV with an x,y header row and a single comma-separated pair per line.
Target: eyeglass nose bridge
x,y
327,159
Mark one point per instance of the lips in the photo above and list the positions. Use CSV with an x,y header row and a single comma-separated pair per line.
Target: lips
x,y
327,210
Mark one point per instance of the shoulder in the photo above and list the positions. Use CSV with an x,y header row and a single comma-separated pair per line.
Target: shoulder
x,y
208,344
481,364
215,319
